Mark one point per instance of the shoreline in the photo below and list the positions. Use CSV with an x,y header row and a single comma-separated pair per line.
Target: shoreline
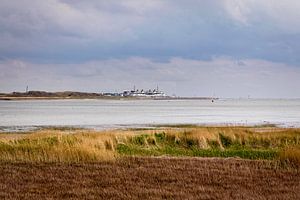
x,y
168,98
41,95
107,127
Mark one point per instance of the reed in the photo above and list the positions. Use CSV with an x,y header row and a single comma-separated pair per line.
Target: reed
x,y
290,156
244,142
58,146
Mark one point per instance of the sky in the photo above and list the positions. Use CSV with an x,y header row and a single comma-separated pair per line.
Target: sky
x,y
222,48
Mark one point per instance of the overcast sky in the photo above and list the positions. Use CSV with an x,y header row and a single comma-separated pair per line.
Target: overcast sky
x,y
226,48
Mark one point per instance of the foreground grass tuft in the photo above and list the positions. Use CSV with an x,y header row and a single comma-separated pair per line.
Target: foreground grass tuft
x,y
290,156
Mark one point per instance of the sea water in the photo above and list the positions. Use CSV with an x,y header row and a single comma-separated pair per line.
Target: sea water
x,y
25,114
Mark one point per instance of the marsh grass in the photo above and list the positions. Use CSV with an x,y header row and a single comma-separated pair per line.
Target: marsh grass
x,y
77,145
290,156
243,142
58,146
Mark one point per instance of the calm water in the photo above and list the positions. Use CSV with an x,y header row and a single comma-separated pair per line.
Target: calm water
x,y
115,113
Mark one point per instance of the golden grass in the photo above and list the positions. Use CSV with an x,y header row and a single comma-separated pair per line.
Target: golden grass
x,y
57,146
290,156
271,137
79,145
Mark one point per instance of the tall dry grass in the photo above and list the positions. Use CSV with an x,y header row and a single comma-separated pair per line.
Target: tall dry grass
x,y
244,142
247,136
59,146
63,145
290,156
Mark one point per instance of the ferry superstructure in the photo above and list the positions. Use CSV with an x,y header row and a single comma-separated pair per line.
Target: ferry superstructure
x,y
144,93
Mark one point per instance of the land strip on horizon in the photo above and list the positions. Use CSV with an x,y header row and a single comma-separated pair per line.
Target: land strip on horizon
x,y
40,95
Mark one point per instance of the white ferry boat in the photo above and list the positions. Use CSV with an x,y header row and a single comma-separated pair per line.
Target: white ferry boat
x,y
144,93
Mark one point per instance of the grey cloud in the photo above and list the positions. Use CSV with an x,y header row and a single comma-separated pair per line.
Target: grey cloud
x,y
194,47
283,15
71,31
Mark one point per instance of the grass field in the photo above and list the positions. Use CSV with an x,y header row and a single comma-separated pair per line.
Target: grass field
x,y
77,145
149,178
164,162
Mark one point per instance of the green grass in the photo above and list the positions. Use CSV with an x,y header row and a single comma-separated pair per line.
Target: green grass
x,y
133,150
161,144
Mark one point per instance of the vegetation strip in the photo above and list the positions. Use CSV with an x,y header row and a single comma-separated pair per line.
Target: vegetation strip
x,y
79,145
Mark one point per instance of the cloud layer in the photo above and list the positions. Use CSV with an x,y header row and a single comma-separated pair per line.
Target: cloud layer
x,y
53,30
194,47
